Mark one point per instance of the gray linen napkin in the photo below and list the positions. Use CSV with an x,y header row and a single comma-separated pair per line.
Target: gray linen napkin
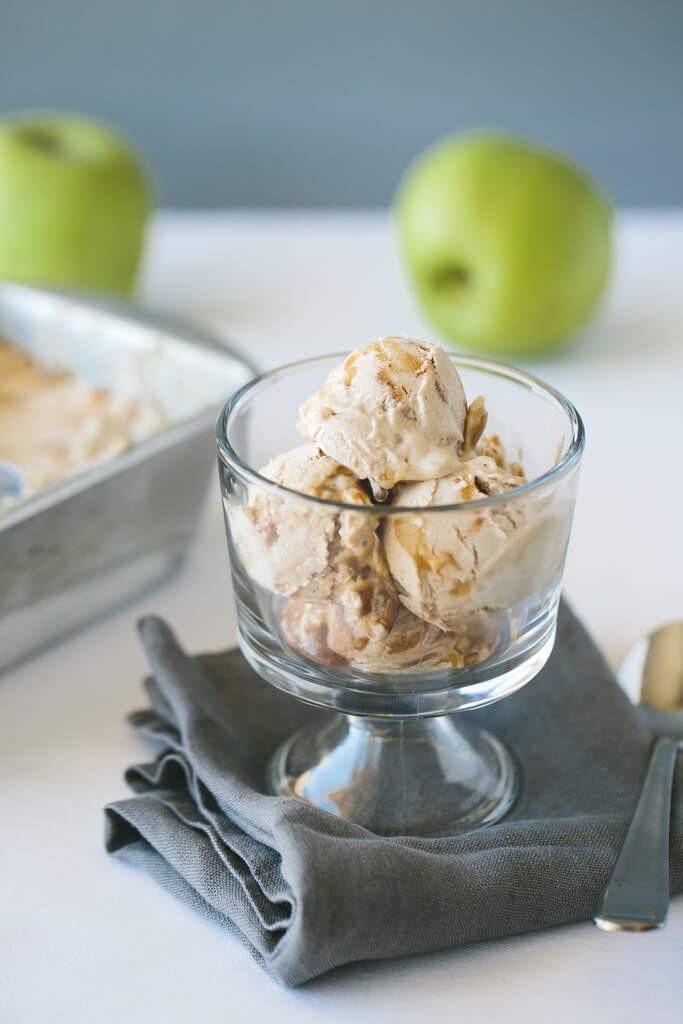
x,y
305,891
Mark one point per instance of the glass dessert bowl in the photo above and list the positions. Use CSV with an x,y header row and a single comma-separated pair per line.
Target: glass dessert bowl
x,y
413,573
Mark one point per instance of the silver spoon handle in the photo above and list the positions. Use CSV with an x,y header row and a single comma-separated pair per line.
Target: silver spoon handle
x,y
637,895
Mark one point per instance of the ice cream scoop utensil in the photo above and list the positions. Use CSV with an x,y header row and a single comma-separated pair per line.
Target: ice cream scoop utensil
x,y
637,895
12,482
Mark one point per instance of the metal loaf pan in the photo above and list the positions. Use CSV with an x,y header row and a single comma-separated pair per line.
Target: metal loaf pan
x,y
87,544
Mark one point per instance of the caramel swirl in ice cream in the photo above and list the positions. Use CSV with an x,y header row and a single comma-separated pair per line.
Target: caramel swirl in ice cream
x,y
327,634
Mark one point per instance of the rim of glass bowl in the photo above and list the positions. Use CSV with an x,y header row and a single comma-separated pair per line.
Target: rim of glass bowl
x,y
242,469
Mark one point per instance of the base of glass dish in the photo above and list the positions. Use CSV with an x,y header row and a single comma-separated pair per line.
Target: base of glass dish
x,y
423,777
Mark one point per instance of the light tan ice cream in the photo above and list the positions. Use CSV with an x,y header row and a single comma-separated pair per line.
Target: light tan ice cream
x,y
52,424
462,562
296,547
394,410
329,635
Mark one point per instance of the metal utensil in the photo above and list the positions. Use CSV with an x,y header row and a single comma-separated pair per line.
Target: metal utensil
x,y
637,895
12,482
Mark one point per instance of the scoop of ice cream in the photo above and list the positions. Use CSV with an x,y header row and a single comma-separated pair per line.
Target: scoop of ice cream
x,y
293,546
284,541
329,635
394,410
454,563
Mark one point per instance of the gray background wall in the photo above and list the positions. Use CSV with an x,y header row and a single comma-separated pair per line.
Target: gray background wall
x,y
324,102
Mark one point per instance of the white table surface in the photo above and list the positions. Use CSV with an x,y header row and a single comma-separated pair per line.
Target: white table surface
x,y
84,938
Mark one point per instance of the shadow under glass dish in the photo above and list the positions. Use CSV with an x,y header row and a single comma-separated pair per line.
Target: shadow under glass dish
x,y
396,759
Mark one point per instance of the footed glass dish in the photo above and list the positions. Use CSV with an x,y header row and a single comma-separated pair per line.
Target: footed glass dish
x,y
399,617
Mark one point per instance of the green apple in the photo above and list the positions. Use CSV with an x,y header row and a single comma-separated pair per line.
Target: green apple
x,y
74,201
509,245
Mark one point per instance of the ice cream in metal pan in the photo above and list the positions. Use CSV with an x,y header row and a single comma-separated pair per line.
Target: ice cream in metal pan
x,y
54,424
111,509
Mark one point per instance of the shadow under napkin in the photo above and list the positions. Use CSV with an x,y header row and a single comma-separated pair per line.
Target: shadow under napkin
x,y
306,891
